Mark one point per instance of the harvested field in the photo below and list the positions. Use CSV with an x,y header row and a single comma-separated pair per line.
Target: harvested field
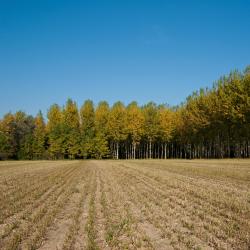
x,y
141,204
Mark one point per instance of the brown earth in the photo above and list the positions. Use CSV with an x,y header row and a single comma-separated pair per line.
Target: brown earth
x,y
141,204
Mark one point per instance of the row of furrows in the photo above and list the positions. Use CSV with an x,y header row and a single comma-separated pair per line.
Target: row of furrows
x,y
144,202
233,186
215,197
100,217
34,191
215,216
12,181
53,210
19,209
17,167
37,217
50,212
214,176
175,209
118,205
17,185
24,187
121,226
11,175
74,228
230,213
90,227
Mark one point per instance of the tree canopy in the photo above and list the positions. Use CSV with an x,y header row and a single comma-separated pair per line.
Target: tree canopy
x,y
211,123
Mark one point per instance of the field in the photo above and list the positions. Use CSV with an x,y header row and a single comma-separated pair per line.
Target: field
x,y
141,204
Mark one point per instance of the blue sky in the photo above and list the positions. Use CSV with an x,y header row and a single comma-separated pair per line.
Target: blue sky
x,y
117,50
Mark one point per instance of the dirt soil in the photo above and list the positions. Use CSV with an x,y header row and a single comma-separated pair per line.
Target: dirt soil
x,y
126,204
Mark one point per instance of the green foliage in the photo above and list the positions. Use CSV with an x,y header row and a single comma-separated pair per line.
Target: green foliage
x,y
210,123
87,114
134,122
151,121
4,146
71,130
101,118
117,122
70,115
166,123
100,147
17,130
39,137
55,132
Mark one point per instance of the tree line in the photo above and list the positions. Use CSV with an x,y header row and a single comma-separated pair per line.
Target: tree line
x,y
211,123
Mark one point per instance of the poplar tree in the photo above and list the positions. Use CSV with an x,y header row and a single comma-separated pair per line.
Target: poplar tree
x,y
166,126
134,125
116,127
211,123
101,131
22,129
87,114
100,147
71,130
39,136
55,132
151,126
101,118
7,137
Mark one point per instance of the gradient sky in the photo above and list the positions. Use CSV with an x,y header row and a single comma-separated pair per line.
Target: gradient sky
x,y
116,50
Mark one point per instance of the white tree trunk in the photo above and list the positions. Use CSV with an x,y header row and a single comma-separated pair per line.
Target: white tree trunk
x,y
134,148
150,149
117,150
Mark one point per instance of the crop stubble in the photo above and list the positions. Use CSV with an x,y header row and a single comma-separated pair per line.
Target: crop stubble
x,y
142,204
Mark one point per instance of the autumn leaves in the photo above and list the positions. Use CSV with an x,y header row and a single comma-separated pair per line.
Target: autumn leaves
x,y
212,123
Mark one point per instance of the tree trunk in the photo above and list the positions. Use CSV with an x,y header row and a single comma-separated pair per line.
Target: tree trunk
x,y
134,148
117,150
150,149
165,151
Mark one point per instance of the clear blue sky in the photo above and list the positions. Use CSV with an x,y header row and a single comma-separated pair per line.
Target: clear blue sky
x,y
116,50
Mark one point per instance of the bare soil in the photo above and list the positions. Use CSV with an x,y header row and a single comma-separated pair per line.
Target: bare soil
x,y
140,204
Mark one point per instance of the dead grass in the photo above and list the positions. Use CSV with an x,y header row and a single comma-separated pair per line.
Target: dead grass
x,y
141,204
